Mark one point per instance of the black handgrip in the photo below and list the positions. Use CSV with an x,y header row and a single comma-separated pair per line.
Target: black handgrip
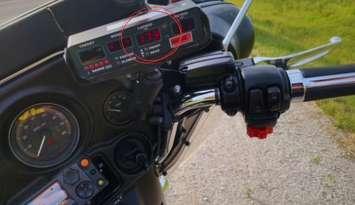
x,y
317,72
321,83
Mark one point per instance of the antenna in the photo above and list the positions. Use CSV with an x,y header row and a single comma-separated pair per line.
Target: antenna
x,y
237,21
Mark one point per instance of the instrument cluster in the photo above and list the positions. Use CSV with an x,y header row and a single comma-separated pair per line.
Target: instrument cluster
x,y
44,135
50,133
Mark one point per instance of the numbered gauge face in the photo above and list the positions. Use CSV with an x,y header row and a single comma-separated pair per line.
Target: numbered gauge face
x,y
44,135
117,108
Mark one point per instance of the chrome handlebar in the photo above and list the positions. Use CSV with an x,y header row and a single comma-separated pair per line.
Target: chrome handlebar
x,y
323,84
198,100
305,86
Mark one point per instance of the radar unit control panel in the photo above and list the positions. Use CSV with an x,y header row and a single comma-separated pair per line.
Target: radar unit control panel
x,y
138,43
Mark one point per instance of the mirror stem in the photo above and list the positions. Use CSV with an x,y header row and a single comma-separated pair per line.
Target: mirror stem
x,y
236,24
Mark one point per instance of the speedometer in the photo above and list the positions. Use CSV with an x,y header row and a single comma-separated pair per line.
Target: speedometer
x,y
44,135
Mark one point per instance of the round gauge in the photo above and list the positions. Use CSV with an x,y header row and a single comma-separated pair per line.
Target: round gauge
x,y
44,135
117,108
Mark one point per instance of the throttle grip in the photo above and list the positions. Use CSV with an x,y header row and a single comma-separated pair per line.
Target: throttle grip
x,y
320,83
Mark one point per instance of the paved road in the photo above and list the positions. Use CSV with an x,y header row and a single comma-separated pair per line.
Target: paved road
x,y
300,164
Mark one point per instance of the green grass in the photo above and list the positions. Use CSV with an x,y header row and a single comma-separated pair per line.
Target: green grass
x,y
285,26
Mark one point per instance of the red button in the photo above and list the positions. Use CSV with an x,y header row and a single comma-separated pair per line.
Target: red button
x,y
259,132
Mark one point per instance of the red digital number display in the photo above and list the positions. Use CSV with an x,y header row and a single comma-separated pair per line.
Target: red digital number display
x,y
149,37
116,45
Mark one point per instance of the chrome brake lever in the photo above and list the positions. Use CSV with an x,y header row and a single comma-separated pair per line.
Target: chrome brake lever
x,y
301,58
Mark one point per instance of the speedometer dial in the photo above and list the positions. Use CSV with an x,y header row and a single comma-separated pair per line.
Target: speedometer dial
x,y
44,135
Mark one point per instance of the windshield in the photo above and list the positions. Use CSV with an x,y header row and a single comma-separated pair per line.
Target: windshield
x,y
13,8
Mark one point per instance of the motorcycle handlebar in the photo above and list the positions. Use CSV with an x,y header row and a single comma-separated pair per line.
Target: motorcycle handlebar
x,y
261,92
321,83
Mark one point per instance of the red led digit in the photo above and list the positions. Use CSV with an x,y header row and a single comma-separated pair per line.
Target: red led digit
x,y
149,37
127,42
116,45
156,35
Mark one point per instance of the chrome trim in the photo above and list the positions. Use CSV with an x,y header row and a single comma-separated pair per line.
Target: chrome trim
x,y
178,151
170,141
172,137
300,84
198,100
115,28
236,24
196,139
29,67
298,90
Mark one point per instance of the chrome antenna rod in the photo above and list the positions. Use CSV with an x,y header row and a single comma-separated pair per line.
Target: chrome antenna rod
x,y
237,21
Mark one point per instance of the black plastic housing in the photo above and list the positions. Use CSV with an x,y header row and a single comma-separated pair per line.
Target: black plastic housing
x,y
207,71
258,80
45,30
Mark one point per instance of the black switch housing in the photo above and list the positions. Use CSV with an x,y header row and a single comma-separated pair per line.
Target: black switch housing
x,y
274,98
159,2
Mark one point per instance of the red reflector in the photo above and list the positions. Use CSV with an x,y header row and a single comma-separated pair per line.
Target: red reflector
x,y
180,40
259,132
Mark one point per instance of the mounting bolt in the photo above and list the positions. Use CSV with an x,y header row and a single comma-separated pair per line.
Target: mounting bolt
x,y
187,143
229,85
177,90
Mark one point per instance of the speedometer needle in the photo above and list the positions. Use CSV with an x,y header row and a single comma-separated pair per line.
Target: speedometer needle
x,y
41,146
114,110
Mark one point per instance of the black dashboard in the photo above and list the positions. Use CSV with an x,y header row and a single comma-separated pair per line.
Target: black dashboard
x,y
78,124
51,95
82,109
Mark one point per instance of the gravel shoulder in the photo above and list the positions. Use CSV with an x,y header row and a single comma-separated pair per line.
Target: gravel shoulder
x,y
300,164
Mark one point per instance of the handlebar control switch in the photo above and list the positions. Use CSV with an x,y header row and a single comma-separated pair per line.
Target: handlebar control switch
x,y
230,95
267,95
256,101
274,98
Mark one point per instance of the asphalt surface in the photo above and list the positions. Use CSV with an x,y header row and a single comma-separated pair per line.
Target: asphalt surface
x,y
299,164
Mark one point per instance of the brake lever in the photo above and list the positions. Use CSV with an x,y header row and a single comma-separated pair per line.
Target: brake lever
x,y
301,58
